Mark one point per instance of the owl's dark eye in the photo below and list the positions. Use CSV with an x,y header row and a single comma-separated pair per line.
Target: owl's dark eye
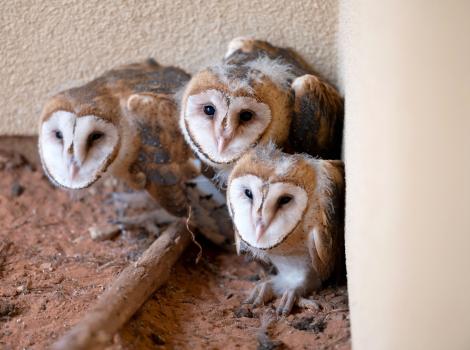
x,y
248,194
94,136
209,110
284,200
58,135
245,116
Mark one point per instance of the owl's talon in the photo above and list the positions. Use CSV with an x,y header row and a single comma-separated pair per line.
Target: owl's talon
x,y
287,303
261,294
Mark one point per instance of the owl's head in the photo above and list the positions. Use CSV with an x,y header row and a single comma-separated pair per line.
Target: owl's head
x,y
228,109
76,149
268,194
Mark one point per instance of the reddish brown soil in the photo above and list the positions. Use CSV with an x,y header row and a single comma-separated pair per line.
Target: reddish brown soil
x,y
51,272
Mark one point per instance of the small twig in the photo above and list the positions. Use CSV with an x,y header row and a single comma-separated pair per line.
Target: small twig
x,y
193,237
47,224
106,265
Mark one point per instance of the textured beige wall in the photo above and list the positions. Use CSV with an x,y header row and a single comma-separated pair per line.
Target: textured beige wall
x,y
51,45
407,153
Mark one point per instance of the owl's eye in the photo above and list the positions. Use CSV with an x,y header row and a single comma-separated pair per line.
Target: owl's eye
x,y
94,136
284,200
245,116
209,110
58,135
248,194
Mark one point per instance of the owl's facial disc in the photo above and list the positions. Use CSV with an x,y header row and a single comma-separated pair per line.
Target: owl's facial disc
x,y
264,212
76,151
224,127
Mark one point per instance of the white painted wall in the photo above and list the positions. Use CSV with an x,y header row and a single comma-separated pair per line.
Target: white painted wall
x,y
406,72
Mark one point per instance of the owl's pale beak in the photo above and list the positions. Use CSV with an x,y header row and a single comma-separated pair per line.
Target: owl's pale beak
x,y
73,168
260,230
222,143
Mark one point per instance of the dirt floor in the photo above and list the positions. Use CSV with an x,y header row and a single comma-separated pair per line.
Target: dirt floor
x,y
51,272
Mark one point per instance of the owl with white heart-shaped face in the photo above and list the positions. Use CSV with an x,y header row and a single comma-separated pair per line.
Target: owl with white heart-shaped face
x,y
260,93
288,210
123,124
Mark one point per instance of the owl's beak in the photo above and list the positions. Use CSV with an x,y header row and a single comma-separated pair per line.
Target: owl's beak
x,y
260,230
222,143
73,169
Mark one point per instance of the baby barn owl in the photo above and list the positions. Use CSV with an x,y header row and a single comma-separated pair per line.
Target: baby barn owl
x,y
260,93
125,124
288,210
122,123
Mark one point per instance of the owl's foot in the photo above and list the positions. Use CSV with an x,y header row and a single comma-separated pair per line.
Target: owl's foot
x,y
261,294
290,298
147,220
287,302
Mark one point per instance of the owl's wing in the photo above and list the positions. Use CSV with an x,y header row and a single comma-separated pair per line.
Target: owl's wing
x,y
163,157
172,173
317,121
326,239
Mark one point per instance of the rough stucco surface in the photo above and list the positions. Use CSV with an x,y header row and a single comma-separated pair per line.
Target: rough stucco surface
x,y
47,46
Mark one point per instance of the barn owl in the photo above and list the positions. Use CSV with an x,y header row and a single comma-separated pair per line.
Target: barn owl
x,y
288,210
124,124
259,93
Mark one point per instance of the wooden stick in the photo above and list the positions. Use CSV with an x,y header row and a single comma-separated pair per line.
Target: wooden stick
x,y
128,292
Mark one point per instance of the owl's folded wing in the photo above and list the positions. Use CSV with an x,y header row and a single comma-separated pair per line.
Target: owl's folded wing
x,y
317,119
163,157
326,240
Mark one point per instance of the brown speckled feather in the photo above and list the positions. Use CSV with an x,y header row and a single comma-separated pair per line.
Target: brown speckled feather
x,y
163,156
317,121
